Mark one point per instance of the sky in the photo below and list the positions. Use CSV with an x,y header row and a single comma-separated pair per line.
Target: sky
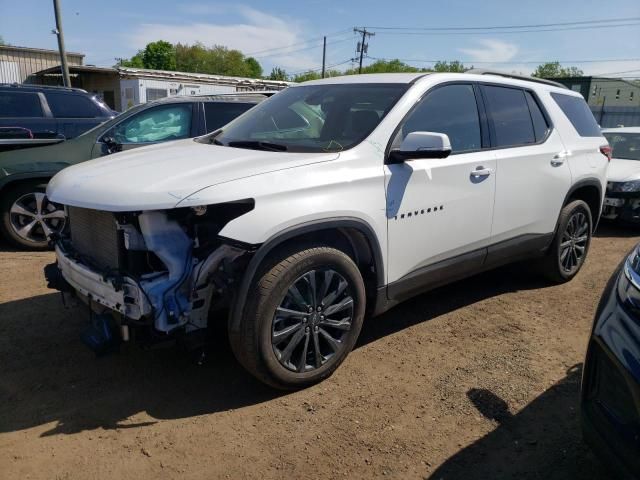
x,y
289,33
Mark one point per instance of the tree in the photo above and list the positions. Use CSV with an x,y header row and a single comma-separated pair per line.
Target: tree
x,y
278,73
554,70
2,40
134,62
454,66
159,55
254,69
386,66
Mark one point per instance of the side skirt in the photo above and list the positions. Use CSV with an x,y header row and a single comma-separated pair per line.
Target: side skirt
x,y
459,267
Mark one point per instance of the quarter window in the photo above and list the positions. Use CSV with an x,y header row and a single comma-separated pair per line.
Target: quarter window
x,y
452,110
540,125
168,122
509,112
578,113
20,104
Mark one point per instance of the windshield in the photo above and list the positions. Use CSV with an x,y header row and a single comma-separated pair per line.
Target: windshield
x,y
625,145
313,118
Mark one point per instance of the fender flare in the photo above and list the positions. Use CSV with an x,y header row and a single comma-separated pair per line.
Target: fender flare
x,y
235,314
585,182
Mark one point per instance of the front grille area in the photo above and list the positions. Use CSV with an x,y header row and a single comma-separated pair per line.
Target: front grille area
x,y
95,237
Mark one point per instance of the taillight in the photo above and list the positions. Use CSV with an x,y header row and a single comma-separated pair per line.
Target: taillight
x,y
606,150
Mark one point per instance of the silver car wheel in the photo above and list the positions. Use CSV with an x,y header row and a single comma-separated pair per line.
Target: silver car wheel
x,y
34,218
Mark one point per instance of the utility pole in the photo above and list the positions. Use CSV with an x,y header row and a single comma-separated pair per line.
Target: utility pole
x,y
63,55
363,47
324,54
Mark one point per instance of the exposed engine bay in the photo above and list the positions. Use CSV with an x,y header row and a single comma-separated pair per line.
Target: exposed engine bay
x,y
160,271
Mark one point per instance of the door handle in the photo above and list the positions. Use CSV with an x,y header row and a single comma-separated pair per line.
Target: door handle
x,y
559,158
481,172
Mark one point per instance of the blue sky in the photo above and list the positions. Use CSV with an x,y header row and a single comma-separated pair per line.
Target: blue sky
x,y
118,28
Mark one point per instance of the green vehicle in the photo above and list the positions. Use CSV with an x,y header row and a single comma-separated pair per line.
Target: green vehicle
x,y
27,218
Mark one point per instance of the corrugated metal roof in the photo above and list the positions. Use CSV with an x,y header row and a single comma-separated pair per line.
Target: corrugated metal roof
x,y
36,50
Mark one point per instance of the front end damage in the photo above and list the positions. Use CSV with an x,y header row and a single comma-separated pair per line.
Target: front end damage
x,y
150,275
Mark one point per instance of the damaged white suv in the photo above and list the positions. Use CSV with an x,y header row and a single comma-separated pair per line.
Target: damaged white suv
x,y
332,200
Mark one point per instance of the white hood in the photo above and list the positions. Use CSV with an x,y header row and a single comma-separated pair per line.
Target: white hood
x,y
623,170
159,176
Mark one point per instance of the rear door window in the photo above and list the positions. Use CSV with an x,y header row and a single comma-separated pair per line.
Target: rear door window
x,y
20,104
509,113
218,114
64,105
540,125
579,114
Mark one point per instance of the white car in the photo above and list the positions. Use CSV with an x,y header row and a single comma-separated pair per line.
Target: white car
x,y
622,201
332,200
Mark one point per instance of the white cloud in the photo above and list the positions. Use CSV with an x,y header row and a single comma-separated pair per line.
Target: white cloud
x,y
492,51
256,31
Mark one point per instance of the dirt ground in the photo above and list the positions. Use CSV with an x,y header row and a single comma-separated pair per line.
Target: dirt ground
x,y
479,379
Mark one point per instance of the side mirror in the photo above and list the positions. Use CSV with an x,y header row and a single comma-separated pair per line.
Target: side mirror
x,y
111,144
421,145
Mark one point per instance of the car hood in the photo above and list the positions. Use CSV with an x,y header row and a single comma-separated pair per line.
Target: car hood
x,y
160,176
623,170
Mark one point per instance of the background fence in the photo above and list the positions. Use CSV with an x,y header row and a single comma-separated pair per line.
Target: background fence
x,y
617,116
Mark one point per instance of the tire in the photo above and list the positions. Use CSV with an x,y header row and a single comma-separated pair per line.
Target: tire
x,y
43,216
261,343
564,259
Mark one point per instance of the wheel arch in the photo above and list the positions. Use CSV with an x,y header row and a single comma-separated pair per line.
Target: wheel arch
x,y
590,191
352,235
17,178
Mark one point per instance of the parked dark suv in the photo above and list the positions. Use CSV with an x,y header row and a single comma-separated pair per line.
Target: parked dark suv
x,y
32,115
27,217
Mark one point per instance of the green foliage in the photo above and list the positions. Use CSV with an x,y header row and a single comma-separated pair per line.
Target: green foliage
x,y
159,55
196,58
277,73
2,42
254,69
386,66
554,70
314,75
455,66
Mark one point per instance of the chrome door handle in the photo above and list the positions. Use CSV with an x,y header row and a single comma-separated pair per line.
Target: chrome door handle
x,y
481,172
559,158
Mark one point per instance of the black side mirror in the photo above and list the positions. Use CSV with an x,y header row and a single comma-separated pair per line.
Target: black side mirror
x,y
112,145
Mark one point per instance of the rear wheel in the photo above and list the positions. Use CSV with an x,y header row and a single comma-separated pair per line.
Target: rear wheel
x,y
303,318
570,245
28,217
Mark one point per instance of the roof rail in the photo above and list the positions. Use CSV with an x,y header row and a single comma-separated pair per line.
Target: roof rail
x,y
34,85
482,71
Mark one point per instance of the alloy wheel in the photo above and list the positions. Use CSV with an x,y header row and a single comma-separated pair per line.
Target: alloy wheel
x,y
312,322
34,218
573,244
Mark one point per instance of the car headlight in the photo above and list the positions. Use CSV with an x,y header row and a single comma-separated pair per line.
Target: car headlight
x,y
632,186
629,282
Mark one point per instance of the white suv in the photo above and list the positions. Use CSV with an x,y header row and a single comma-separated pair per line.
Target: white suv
x,y
332,200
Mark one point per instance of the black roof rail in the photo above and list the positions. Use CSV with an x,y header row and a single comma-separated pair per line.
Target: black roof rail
x,y
34,85
482,71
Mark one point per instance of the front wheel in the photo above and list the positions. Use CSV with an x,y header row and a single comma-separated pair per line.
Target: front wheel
x,y
570,245
303,318
28,217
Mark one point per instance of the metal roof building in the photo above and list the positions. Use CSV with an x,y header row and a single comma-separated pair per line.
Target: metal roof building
x,y
17,64
123,87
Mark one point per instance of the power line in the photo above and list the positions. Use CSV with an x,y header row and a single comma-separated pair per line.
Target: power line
x,y
299,49
512,62
303,42
504,32
505,27
308,70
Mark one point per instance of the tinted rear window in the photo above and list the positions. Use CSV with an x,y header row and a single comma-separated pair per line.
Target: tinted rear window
x,y
218,114
509,112
20,104
540,125
64,105
578,113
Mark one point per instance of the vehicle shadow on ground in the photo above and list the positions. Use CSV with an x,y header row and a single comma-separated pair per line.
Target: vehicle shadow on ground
x,y
48,375
609,229
510,278
543,440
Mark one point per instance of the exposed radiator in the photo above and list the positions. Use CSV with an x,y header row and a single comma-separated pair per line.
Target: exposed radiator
x,y
95,237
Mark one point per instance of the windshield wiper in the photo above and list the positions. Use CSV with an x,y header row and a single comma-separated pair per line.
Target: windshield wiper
x,y
258,145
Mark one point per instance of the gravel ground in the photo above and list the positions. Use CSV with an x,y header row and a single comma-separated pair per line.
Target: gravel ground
x,y
479,379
